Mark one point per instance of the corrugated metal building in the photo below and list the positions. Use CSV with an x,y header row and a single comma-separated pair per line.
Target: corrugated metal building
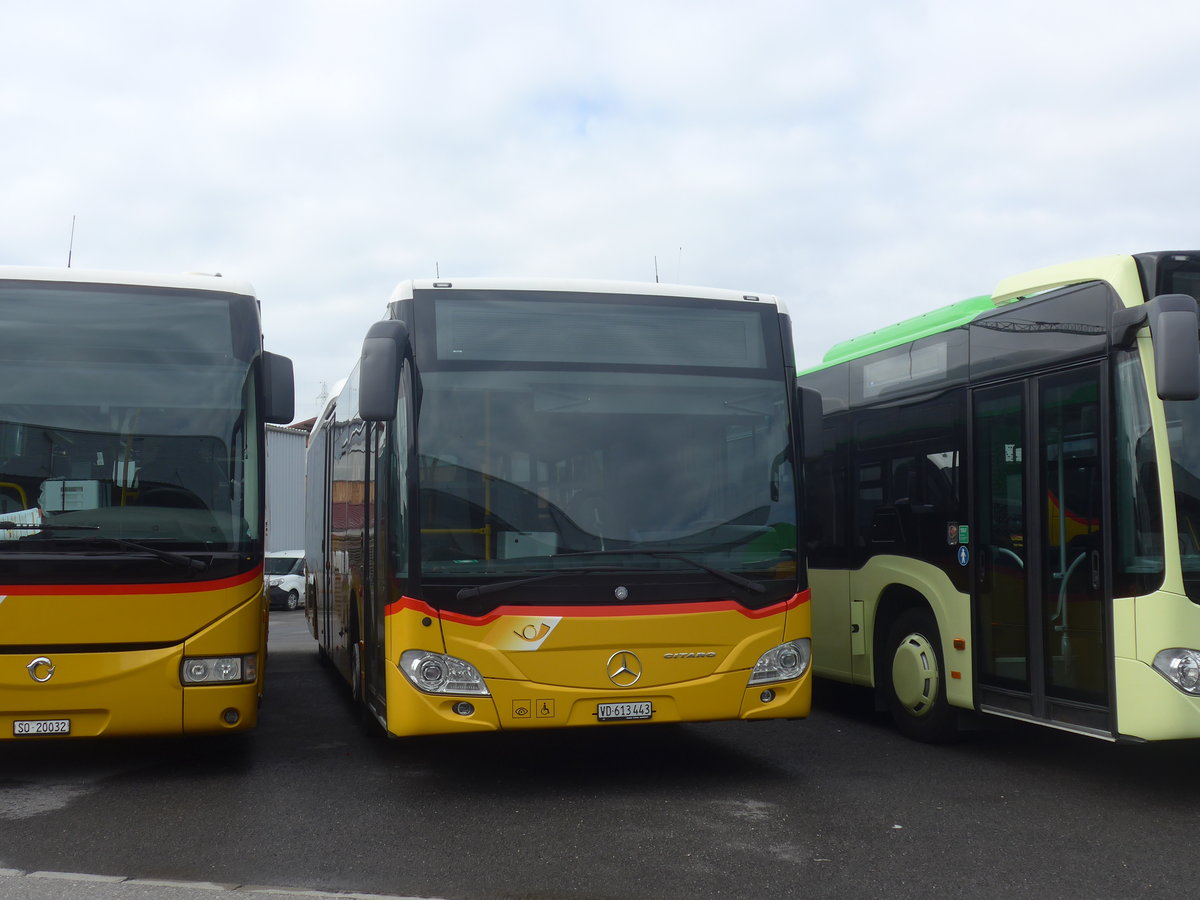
x,y
285,487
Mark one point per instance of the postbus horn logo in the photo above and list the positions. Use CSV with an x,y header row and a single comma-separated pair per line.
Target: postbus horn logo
x,y
41,669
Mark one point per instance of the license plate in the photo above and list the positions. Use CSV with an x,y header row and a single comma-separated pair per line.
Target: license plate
x,y
36,727
616,712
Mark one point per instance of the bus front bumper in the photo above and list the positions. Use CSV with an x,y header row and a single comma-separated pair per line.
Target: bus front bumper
x,y
1150,708
132,693
515,705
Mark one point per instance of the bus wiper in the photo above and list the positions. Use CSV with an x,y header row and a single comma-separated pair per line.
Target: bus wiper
x,y
45,526
731,577
177,559
469,593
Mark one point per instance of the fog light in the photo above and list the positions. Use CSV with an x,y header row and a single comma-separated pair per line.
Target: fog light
x,y
767,696
230,716
463,708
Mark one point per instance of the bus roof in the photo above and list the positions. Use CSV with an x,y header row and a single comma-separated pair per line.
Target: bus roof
x,y
1120,271
404,290
194,281
933,322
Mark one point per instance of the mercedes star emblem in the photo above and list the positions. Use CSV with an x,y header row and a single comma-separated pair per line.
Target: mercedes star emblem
x,y
624,668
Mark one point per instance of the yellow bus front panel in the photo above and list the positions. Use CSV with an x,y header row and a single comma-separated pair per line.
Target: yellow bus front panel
x,y
209,708
128,693
61,678
557,667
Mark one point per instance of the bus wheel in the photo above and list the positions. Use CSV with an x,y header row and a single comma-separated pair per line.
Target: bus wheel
x,y
916,689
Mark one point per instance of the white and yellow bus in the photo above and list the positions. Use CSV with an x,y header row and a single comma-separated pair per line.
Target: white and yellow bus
x,y
1013,485
540,505
131,502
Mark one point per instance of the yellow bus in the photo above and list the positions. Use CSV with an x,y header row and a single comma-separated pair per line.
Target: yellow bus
x,y
131,502
552,504
1013,487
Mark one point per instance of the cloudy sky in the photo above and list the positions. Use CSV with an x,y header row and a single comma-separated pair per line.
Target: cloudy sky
x,y
865,161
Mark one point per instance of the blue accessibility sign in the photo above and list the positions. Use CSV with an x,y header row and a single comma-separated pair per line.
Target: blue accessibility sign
x,y
964,555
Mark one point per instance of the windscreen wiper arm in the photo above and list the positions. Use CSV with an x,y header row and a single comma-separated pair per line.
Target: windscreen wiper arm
x,y
45,526
731,577
469,593
177,559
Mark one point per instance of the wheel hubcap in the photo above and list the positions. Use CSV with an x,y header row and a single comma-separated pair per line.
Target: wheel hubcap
x,y
915,674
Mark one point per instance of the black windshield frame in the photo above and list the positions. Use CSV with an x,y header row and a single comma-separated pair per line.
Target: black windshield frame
x,y
132,416
764,358
656,573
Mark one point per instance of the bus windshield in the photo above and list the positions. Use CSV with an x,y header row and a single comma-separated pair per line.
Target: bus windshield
x,y
128,415
1183,432
521,469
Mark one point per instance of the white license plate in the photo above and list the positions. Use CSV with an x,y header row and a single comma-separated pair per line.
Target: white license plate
x,y
615,712
36,727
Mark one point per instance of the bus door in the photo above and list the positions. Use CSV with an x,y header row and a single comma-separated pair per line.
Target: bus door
x,y
375,570
1040,584
316,539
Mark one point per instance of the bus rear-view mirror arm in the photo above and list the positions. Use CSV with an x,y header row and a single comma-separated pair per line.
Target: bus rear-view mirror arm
x,y
1175,332
386,345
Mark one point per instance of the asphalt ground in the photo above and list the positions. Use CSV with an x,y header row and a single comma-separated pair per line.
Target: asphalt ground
x,y
840,805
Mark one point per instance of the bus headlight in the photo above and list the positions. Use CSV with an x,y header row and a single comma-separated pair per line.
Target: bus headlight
x,y
787,662
437,673
1181,667
219,669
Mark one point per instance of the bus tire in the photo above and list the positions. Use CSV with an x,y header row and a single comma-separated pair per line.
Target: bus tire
x,y
916,678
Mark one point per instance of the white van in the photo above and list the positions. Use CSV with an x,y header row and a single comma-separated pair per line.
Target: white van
x,y
285,571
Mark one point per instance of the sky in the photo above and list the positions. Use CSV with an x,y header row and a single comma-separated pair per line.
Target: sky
x,y
865,162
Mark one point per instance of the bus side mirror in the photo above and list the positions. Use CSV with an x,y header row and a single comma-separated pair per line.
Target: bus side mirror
x,y
810,421
1175,331
386,345
279,389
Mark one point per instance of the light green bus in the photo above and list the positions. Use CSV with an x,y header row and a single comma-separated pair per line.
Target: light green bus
x,y
1011,487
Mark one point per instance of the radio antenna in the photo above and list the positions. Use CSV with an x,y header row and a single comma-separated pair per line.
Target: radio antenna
x,y
656,268
71,245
